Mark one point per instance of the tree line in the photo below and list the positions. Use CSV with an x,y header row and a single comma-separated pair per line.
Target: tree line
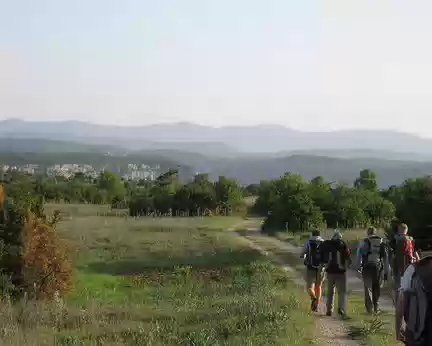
x,y
295,204
165,195
287,203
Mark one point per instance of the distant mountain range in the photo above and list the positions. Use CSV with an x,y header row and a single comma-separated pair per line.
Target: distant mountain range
x,y
224,141
248,154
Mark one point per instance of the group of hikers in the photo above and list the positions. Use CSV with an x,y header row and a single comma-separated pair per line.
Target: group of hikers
x,y
377,261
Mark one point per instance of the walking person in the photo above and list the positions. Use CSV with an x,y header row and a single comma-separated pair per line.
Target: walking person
x,y
336,255
414,305
314,268
374,262
403,253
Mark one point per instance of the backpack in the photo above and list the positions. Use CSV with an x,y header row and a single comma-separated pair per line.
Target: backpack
x,y
418,312
313,256
337,260
373,246
403,253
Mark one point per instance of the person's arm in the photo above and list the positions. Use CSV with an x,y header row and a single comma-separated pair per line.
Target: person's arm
x,y
385,260
359,254
405,287
348,254
415,254
305,249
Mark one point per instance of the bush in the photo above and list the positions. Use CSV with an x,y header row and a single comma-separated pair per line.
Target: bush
x,y
45,265
33,258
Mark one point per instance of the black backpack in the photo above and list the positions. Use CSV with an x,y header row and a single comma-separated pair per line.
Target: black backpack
x,y
336,256
313,256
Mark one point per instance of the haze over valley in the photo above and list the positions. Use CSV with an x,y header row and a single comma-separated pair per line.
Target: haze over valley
x,y
248,154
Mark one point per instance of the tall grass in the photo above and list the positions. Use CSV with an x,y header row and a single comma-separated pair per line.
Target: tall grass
x,y
162,282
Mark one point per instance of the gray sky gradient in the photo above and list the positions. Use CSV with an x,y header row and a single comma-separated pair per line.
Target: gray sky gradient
x,y
309,65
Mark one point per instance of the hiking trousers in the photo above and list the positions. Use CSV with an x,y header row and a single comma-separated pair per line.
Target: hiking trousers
x,y
336,281
372,280
314,280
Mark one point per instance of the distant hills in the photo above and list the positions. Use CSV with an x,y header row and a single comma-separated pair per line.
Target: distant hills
x,y
222,142
248,154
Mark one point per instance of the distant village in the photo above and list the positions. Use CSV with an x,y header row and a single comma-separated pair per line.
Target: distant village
x,y
131,172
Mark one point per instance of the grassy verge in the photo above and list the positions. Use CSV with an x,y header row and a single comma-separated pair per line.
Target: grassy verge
x,y
163,282
367,329
370,330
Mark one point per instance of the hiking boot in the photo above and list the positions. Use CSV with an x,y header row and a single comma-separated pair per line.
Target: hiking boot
x,y
314,305
341,313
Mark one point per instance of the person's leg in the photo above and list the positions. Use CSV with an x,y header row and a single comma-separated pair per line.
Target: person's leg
x,y
320,276
310,282
341,283
330,292
311,276
367,282
376,288
318,285
397,281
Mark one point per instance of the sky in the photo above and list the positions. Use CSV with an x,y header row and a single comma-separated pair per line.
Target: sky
x,y
309,65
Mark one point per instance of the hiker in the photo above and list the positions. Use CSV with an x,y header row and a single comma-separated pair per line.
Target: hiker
x,y
403,253
336,255
414,304
314,269
373,259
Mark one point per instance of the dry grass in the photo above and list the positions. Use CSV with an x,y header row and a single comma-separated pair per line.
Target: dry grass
x,y
154,281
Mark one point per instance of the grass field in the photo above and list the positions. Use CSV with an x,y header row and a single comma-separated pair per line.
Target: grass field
x,y
162,281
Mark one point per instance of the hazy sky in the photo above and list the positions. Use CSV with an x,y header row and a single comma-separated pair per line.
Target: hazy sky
x,y
309,65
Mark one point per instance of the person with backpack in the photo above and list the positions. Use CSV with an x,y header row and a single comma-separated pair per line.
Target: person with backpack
x,y
403,253
414,304
375,267
336,255
314,268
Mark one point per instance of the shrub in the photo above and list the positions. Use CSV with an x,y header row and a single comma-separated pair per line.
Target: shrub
x,y
33,259
46,268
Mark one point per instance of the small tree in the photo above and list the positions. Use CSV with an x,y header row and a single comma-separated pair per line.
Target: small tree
x,y
33,258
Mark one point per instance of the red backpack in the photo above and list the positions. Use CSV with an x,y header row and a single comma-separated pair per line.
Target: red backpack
x,y
404,251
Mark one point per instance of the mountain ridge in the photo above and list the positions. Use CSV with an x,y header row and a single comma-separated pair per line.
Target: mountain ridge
x,y
246,169
230,139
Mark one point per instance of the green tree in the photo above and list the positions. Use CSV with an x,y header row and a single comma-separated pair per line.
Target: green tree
x,y
293,207
228,193
112,184
366,180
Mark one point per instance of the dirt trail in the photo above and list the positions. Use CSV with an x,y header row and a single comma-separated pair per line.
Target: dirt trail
x,y
331,331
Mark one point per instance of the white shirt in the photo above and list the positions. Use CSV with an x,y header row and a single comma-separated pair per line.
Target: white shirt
x,y
406,279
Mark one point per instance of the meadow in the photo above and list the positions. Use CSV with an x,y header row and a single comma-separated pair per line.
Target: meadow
x,y
161,281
